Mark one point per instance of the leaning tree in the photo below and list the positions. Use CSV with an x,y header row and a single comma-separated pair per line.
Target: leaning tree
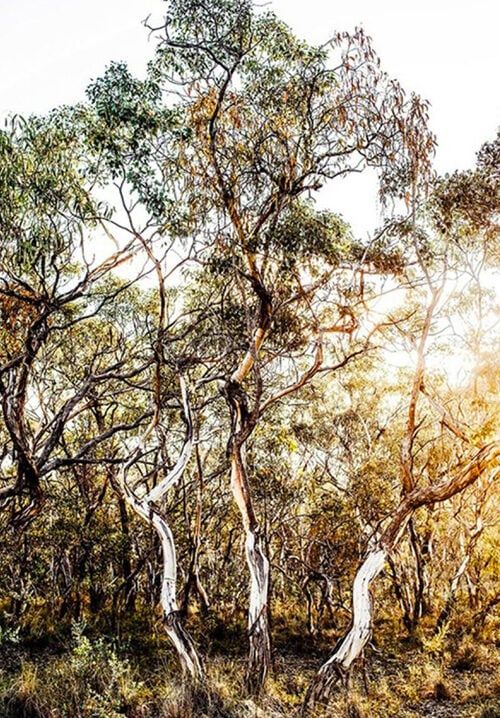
x,y
461,217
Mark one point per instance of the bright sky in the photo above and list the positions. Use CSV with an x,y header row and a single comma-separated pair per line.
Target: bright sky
x,y
447,50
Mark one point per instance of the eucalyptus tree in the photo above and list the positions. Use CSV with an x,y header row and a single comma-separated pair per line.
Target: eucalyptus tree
x,y
140,144
458,223
77,497
60,176
270,119
46,210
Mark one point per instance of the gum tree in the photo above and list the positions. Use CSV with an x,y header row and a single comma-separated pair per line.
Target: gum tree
x,y
271,119
55,294
453,243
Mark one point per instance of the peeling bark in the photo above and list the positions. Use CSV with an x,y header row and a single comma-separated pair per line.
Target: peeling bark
x,y
259,658
194,581
350,647
147,509
181,639
184,644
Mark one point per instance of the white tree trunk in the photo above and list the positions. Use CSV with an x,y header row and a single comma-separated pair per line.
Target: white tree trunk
x,y
358,636
178,635
183,643
146,508
352,644
259,657
258,623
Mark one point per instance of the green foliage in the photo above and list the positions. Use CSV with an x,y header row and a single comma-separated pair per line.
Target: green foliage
x,y
127,128
466,205
44,202
205,166
305,237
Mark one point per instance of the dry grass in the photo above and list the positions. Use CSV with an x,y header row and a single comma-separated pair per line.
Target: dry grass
x,y
94,679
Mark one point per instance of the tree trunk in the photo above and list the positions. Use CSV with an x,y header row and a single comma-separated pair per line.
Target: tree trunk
x,y
146,507
126,561
350,647
259,659
401,593
447,609
181,639
450,599
184,644
243,423
193,580
353,643
420,549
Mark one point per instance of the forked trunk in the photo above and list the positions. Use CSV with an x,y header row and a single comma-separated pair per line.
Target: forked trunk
x,y
146,507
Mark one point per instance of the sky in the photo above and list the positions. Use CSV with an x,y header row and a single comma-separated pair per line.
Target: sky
x,y
446,50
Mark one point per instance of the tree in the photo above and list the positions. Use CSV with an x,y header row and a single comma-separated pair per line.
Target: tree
x,y
50,290
269,120
437,268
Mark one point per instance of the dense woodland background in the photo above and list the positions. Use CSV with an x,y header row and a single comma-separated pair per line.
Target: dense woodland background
x,y
247,459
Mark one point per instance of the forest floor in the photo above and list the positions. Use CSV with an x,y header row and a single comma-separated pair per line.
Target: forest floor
x,y
84,676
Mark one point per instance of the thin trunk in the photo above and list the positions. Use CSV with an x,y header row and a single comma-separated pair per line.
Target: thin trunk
x,y
311,626
351,646
447,609
450,599
181,639
146,508
184,644
400,593
259,659
243,422
126,561
194,580
420,554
